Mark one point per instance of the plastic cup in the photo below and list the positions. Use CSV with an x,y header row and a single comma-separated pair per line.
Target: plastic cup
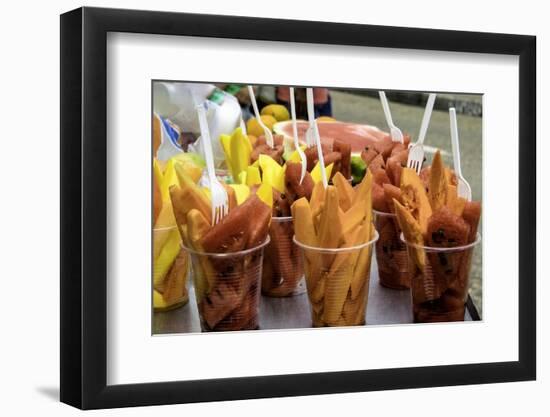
x,y
283,271
170,269
337,283
391,252
439,281
227,288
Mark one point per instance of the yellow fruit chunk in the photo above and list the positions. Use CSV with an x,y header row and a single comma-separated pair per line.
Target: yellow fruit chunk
x,y
273,174
304,230
265,193
158,300
242,177
316,172
363,196
340,277
437,189
167,255
187,197
278,111
240,152
326,119
330,225
241,192
415,198
197,227
225,140
295,156
345,191
411,231
254,128
253,176
174,284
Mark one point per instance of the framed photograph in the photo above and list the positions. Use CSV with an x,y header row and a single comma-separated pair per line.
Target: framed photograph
x,y
257,208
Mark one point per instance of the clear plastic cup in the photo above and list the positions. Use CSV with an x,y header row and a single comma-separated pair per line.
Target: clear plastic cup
x,y
227,288
337,283
439,281
283,271
170,269
391,252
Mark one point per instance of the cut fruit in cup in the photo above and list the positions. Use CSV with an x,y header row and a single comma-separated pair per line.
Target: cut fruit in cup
x,y
283,272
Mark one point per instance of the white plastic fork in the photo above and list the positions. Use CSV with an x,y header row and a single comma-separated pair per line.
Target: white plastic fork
x,y
220,201
315,134
267,132
395,132
464,190
416,151
295,133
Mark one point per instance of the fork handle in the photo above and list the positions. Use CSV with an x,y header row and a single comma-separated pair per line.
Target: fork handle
x,y
426,118
268,138
386,108
207,144
295,134
313,123
454,142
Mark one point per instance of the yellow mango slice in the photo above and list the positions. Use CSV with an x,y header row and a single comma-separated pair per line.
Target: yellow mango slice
x,y
303,222
253,176
305,233
158,300
157,200
295,156
437,190
169,178
279,180
317,196
241,178
272,172
241,192
411,231
187,197
174,283
158,177
415,198
240,152
353,218
225,141
330,227
361,273
166,257
341,276
363,198
345,191
316,172
265,193
197,227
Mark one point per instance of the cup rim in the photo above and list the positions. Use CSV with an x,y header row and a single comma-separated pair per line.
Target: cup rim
x,y
228,254
383,213
338,250
439,249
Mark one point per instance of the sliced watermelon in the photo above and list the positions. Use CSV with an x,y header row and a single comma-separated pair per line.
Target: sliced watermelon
x,y
358,136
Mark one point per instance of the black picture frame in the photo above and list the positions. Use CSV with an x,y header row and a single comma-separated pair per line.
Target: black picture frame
x,y
84,207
